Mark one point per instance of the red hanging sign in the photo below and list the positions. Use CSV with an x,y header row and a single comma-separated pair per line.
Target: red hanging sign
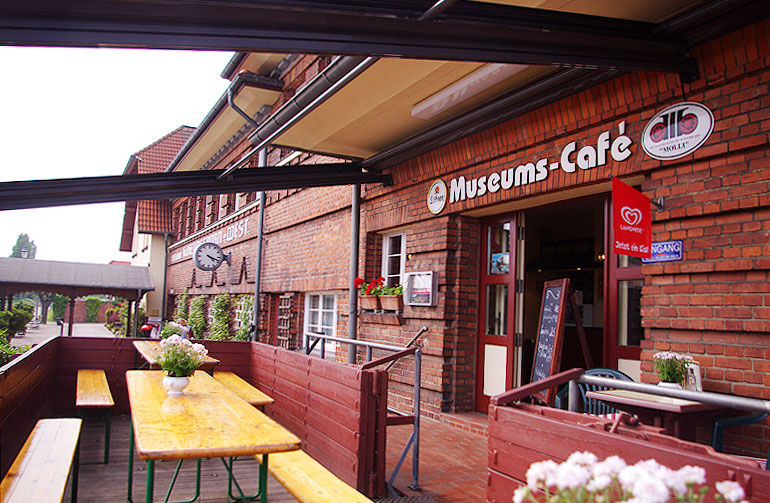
x,y
631,221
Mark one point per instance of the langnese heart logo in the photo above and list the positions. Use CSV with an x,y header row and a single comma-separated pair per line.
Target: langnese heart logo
x,y
632,216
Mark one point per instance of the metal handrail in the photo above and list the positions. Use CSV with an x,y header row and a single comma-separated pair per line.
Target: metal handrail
x,y
709,397
414,437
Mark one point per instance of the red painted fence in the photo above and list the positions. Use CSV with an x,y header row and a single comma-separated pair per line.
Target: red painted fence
x,y
338,410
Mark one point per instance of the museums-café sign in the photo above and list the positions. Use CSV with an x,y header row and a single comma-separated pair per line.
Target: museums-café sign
x,y
570,160
671,134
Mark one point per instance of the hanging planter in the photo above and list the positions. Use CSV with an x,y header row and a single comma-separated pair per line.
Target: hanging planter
x,y
369,302
391,302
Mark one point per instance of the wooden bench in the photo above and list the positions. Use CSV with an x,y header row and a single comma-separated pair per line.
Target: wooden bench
x,y
243,389
40,471
93,393
309,481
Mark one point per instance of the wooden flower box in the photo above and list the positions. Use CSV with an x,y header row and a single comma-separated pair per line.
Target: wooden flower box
x,y
369,302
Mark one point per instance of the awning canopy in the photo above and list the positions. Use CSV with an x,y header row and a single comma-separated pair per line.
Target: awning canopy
x,y
440,70
73,279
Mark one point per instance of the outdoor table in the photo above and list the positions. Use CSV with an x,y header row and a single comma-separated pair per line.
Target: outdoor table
x,y
207,421
679,416
150,350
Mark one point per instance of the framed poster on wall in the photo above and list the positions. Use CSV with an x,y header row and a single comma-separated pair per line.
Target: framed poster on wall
x,y
421,288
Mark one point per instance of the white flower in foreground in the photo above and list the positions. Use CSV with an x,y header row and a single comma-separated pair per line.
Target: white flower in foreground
x,y
520,493
610,466
584,458
650,490
692,474
599,482
732,491
542,472
572,475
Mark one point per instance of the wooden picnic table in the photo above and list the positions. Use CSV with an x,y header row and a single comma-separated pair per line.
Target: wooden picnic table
x,y
150,350
678,416
207,421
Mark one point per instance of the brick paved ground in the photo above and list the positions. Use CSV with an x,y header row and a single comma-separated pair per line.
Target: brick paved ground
x,y
453,460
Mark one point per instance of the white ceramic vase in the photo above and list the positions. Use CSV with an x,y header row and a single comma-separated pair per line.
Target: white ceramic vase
x,y
175,385
673,385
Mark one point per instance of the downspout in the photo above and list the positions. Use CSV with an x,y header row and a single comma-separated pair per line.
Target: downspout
x,y
262,161
355,226
165,277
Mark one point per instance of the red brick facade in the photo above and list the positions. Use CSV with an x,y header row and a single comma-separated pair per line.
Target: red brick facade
x,y
714,304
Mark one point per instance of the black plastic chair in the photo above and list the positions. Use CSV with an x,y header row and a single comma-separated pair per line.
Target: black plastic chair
x,y
589,405
727,422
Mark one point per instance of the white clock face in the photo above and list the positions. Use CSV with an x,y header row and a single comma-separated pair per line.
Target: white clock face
x,y
208,256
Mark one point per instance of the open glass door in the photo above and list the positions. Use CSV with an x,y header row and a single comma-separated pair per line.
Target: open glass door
x,y
498,358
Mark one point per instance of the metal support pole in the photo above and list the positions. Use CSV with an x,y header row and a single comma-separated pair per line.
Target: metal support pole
x,y
72,316
164,294
415,485
574,400
128,319
355,227
262,160
136,312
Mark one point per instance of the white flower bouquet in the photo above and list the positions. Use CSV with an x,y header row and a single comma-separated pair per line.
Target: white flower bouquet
x,y
180,357
583,478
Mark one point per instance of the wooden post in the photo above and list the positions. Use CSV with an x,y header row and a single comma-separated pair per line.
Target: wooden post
x,y
128,320
72,316
580,331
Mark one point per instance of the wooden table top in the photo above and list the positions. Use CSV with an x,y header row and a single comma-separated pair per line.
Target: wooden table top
x,y
208,420
646,400
151,349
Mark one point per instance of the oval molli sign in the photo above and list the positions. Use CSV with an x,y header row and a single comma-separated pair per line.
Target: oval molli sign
x,y
437,197
677,131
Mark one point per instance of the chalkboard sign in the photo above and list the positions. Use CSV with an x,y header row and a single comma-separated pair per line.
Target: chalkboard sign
x,y
550,333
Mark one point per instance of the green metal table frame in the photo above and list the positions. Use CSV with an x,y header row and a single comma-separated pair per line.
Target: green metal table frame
x,y
150,485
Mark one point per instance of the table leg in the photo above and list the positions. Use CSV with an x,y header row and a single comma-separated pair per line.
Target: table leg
x,y
150,481
107,420
263,479
130,461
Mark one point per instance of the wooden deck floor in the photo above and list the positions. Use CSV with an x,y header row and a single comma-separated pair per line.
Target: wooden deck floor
x,y
452,468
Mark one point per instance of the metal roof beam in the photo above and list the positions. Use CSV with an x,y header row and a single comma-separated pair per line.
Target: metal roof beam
x,y
542,37
69,191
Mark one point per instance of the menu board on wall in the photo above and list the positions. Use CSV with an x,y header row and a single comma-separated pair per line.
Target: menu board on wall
x,y
550,333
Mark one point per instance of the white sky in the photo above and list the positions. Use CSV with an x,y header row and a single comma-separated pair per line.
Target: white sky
x,y
68,113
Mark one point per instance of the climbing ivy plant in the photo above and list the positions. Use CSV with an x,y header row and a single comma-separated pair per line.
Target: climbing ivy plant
x,y
245,316
221,307
197,317
182,308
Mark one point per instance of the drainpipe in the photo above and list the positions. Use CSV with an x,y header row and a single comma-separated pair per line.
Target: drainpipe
x,y
355,226
165,278
262,162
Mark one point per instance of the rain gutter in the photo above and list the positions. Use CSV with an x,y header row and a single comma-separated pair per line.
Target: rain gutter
x,y
241,80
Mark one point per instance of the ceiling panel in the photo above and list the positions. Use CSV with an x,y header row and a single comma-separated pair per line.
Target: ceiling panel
x,y
375,110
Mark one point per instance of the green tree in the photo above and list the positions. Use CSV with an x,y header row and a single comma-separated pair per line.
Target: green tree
x,y
22,241
59,304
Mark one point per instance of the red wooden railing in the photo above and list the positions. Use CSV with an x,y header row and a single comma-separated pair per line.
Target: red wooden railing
x,y
339,411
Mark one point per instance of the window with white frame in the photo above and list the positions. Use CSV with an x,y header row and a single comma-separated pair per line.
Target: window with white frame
x,y
393,258
321,317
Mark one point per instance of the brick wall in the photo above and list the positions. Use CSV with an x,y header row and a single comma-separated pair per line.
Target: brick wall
x,y
715,304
